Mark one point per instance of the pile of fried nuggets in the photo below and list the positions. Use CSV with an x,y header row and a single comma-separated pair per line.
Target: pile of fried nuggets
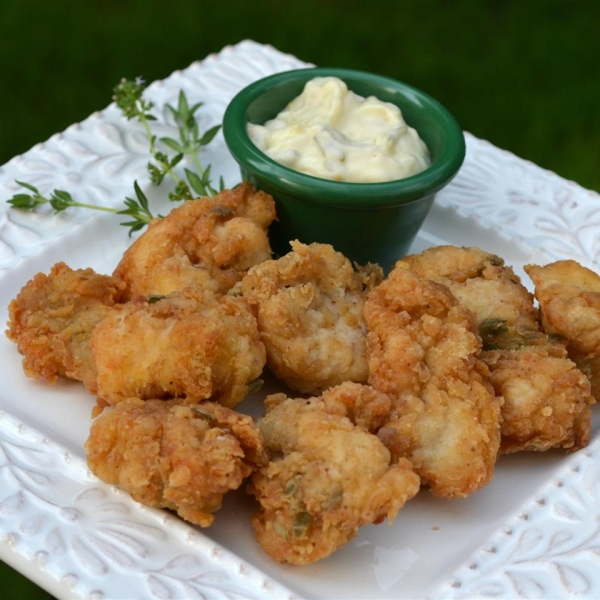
x,y
421,378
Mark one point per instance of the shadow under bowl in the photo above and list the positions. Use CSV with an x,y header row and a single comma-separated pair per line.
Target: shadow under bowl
x,y
367,222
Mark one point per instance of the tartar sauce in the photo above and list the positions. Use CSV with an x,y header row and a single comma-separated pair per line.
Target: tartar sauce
x,y
331,132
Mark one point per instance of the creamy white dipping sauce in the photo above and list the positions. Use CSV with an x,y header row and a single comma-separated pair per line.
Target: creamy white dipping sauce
x,y
331,132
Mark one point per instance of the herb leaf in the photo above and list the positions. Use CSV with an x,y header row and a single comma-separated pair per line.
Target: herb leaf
x,y
128,96
209,135
138,209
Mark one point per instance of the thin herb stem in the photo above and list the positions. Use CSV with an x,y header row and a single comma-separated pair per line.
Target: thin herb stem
x,y
128,96
171,172
149,134
96,207
60,200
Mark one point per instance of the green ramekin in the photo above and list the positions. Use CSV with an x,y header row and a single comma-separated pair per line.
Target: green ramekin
x,y
367,222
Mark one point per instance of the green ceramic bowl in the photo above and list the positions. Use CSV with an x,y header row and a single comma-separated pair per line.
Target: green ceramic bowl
x,y
368,222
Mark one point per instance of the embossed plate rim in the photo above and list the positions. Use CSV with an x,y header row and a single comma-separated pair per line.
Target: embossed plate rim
x,y
505,200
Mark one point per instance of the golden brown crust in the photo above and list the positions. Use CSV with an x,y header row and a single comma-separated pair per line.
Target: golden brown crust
x,y
503,308
52,319
423,352
188,344
569,298
166,455
546,399
327,476
589,365
208,243
309,310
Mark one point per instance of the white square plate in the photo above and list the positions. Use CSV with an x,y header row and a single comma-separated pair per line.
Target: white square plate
x,y
533,532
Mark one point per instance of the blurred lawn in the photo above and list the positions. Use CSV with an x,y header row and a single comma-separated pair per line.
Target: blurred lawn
x,y
522,74
16,587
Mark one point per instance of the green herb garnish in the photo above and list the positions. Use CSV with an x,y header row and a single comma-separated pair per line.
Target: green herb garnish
x,y
496,334
189,144
204,415
154,298
301,524
128,96
490,330
60,200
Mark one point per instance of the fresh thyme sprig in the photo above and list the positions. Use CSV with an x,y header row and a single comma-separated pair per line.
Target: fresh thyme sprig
x,y
190,142
128,96
137,209
60,200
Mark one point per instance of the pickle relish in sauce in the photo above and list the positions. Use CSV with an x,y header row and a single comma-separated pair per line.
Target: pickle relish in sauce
x,y
332,133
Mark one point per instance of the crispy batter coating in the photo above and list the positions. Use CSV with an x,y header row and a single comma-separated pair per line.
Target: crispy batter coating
x,y
503,307
328,476
187,344
546,398
208,243
589,365
309,310
423,351
166,455
52,319
569,298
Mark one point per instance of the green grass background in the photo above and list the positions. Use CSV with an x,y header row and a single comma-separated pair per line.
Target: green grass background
x,y
523,74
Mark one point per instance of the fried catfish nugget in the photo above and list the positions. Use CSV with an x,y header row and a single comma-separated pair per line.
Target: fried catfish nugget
x,y
546,398
187,344
52,319
328,475
423,348
503,307
309,309
208,243
167,455
569,298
